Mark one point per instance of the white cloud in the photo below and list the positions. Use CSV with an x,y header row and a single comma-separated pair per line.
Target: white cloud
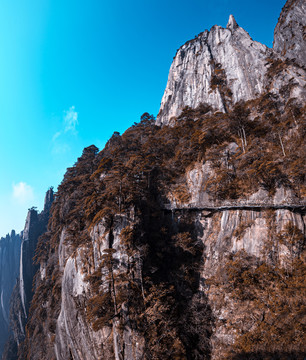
x,y
23,192
61,139
56,135
71,120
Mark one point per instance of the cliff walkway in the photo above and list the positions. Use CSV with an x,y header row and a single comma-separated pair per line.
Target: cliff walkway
x,y
241,205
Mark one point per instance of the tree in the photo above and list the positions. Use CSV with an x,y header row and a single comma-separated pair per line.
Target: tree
x,y
239,122
146,119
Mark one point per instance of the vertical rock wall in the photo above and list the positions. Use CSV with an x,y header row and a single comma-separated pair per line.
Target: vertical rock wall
x,y
290,32
9,271
74,336
35,226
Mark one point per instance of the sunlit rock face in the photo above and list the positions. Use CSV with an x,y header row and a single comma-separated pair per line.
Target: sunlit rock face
x,y
223,66
9,270
74,336
289,34
225,230
219,67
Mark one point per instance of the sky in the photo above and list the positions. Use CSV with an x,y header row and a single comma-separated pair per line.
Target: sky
x,y
73,72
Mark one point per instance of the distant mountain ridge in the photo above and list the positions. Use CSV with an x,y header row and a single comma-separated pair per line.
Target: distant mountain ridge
x,y
17,273
9,271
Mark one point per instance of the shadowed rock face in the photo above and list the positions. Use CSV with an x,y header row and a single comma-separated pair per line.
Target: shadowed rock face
x,y
289,34
223,66
9,270
24,273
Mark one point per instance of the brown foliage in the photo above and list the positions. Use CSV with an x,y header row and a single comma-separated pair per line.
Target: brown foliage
x,y
276,305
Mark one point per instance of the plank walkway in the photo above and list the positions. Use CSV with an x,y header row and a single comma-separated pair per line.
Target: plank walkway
x,y
300,207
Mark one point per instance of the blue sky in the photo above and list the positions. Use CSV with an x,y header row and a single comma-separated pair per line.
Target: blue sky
x,y
73,72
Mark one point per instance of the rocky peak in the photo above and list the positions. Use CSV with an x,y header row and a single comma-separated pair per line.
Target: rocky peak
x,y
232,24
289,34
30,224
219,67
223,66
48,199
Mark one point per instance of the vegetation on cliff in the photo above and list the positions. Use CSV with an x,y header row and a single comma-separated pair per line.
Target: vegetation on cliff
x,y
128,182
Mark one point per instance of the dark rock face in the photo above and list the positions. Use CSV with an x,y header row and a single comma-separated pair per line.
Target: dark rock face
x,y
290,32
48,200
35,226
9,271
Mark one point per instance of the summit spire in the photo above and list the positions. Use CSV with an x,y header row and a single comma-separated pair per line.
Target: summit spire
x,y
232,24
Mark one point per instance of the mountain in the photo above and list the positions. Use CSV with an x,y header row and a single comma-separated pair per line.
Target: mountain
x,y
184,238
221,67
35,226
9,270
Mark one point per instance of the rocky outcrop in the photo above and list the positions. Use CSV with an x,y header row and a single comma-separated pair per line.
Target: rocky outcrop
x,y
230,232
221,234
222,66
22,294
73,336
219,67
290,32
9,271
218,233
224,232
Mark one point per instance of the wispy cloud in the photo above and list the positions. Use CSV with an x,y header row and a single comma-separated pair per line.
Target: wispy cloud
x,y
61,138
56,135
23,192
71,120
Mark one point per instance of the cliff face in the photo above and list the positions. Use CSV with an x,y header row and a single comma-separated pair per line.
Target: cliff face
x,y
9,270
221,67
73,337
22,294
185,242
289,35
124,276
208,319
